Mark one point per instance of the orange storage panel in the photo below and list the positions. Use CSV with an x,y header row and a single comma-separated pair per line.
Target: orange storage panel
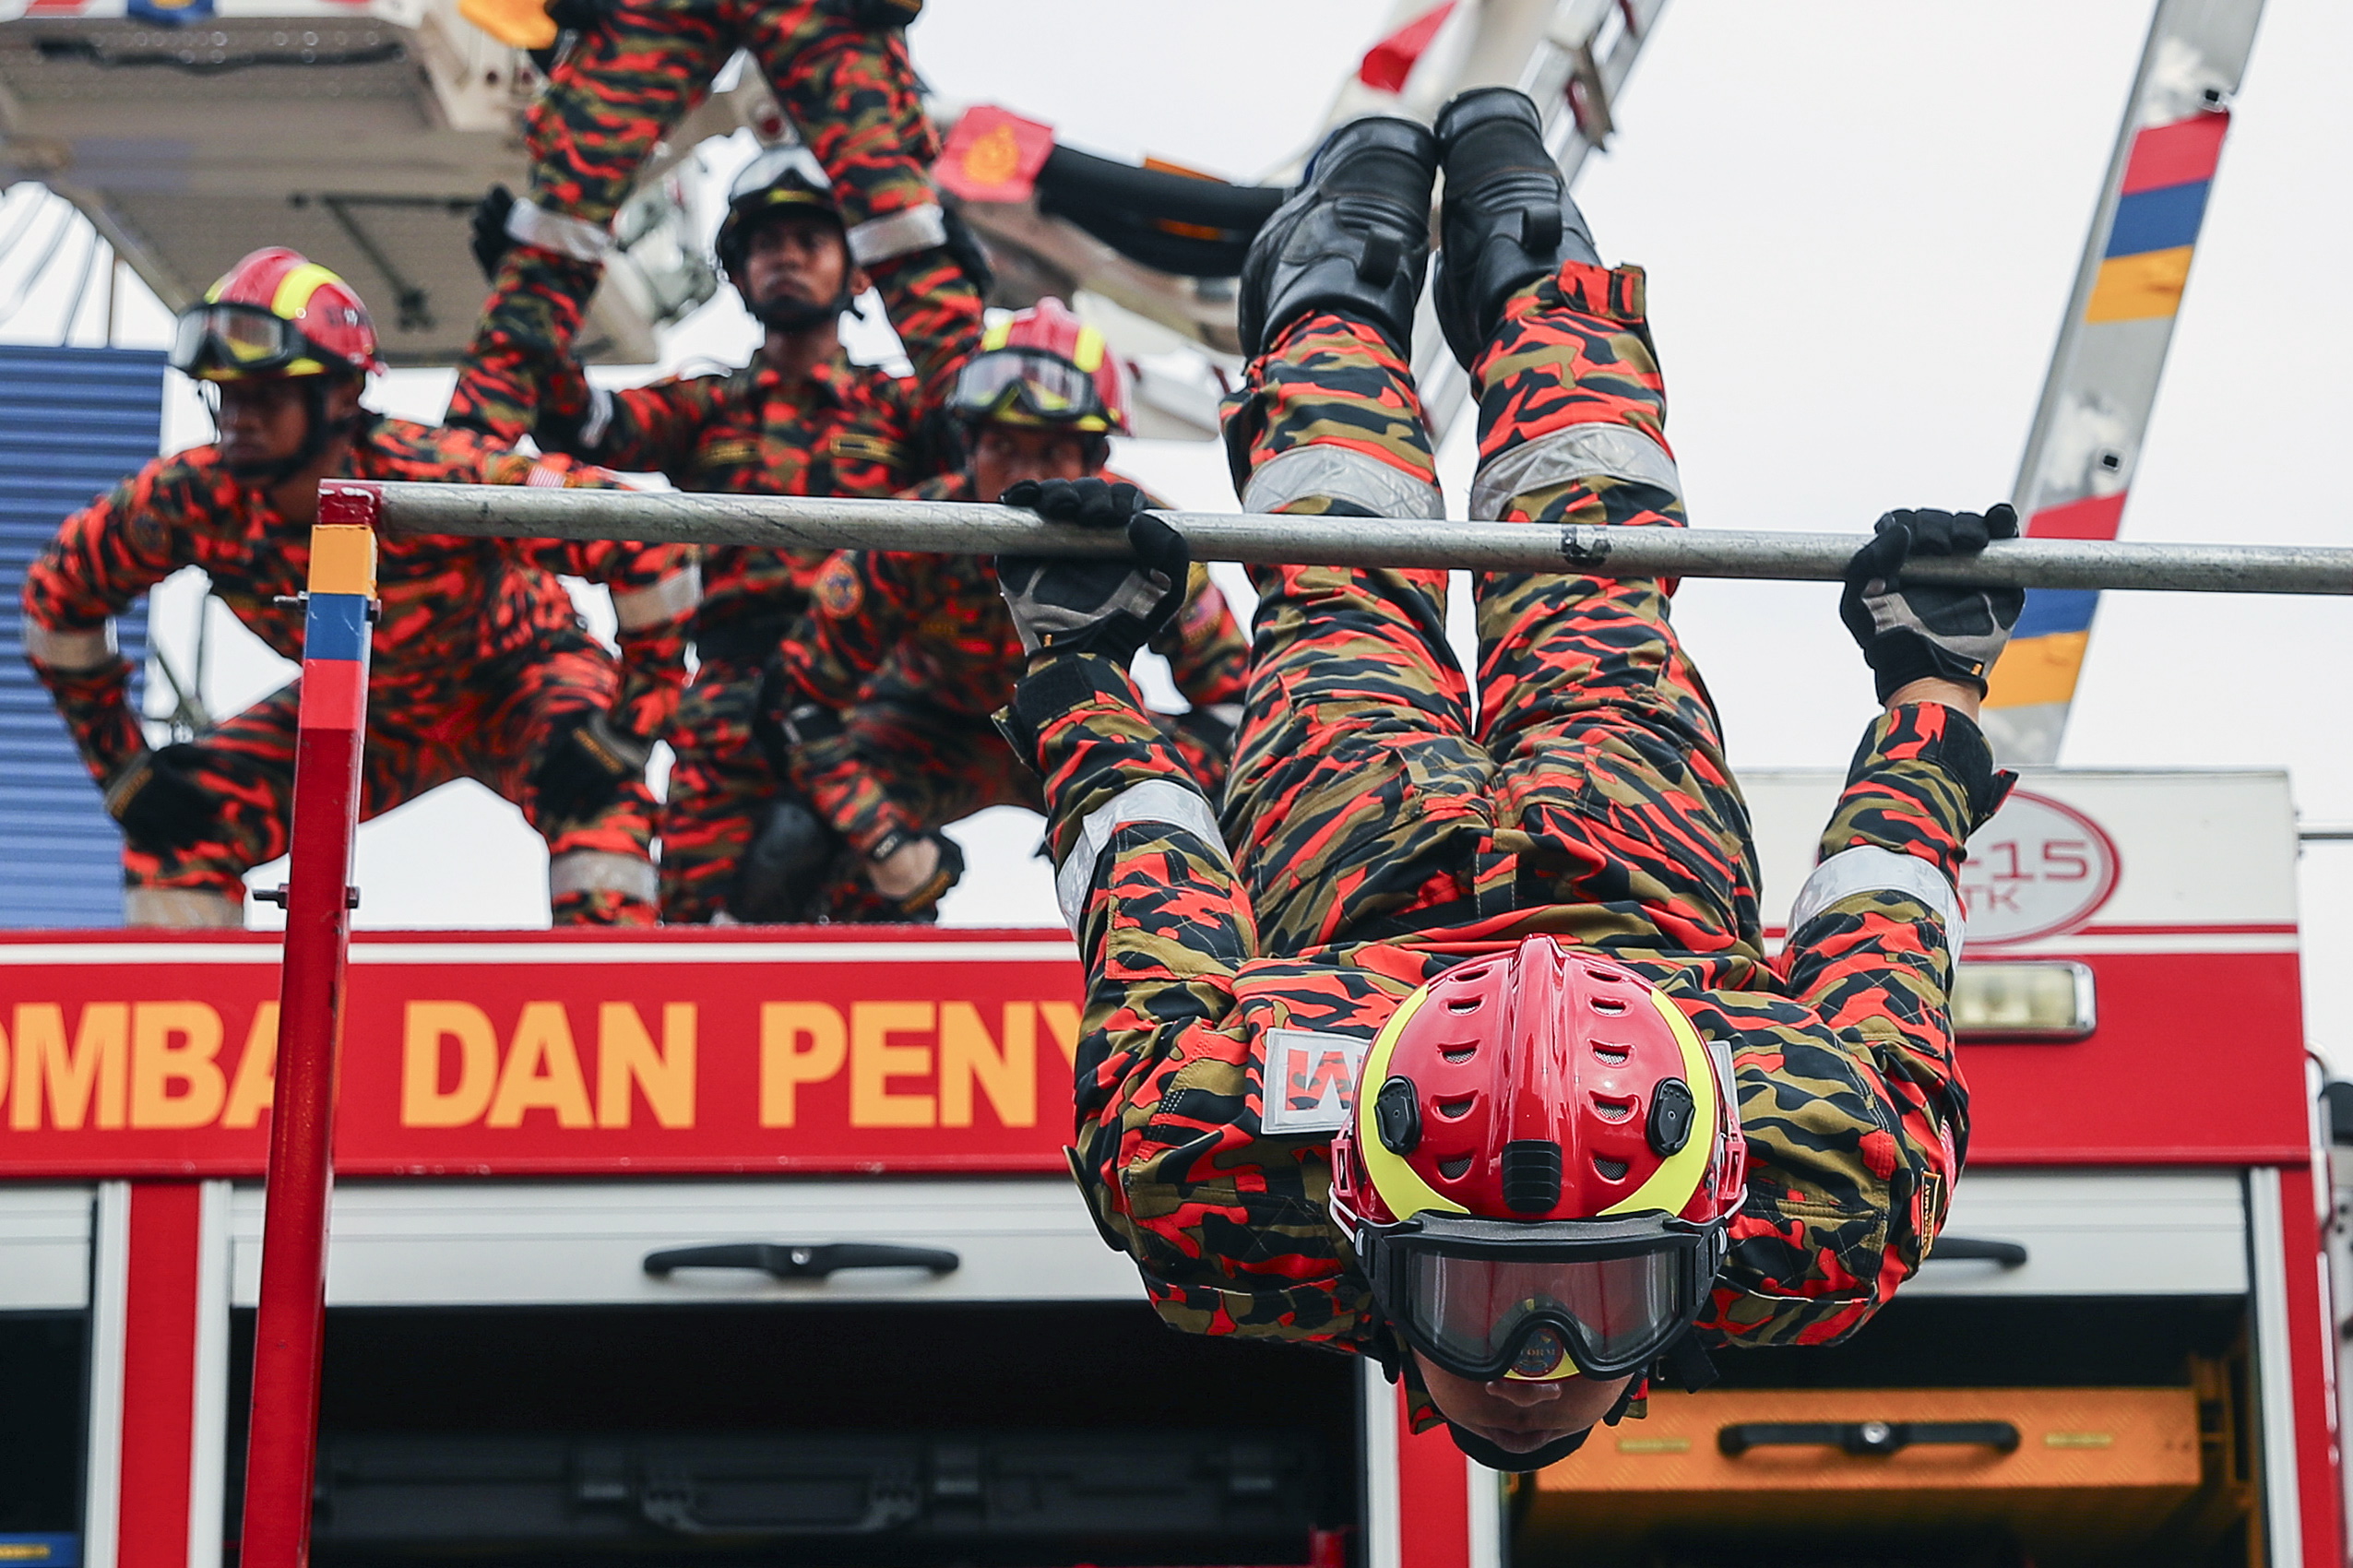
x,y
2072,1474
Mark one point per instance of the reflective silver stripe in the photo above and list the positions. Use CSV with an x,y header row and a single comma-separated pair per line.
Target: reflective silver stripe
x,y
1226,713
602,870
1154,800
188,909
599,419
901,234
557,234
71,652
1866,868
1335,473
666,600
1582,451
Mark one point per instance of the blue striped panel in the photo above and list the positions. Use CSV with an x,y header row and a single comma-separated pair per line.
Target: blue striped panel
x,y
2158,220
2056,609
73,421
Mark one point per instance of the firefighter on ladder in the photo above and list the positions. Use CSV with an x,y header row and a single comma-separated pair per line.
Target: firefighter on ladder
x,y
876,706
1597,1129
480,667
633,68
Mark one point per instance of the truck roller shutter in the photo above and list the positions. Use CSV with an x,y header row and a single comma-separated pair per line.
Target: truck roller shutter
x,y
72,423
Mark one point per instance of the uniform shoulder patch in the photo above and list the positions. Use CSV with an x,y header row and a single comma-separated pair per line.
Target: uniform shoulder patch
x,y
839,591
1310,1081
858,446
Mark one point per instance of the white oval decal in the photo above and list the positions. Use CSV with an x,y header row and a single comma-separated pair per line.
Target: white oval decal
x,y
2039,868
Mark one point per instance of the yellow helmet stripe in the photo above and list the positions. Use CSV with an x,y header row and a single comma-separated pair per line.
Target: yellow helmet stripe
x,y
1679,1175
294,291
999,334
1087,355
1399,1184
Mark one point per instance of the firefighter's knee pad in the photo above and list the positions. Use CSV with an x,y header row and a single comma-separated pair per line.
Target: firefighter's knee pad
x,y
781,879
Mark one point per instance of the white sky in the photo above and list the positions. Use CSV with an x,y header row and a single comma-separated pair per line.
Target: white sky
x,y
1861,222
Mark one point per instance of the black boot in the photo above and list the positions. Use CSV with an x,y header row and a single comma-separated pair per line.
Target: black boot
x,y
1506,219
1354,237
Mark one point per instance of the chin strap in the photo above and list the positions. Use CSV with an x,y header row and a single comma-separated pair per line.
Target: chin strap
x,y
1687,1362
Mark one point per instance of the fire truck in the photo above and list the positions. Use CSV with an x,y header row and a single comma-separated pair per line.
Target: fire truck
x,y
758,1243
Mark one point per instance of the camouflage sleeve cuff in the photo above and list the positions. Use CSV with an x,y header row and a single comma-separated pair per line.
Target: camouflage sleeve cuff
x,y
1080,724
1921,782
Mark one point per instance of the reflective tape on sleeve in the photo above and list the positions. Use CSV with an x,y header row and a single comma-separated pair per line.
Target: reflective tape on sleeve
x,y
1154,800
1580,452
1866,868
900,233
675,595
72,652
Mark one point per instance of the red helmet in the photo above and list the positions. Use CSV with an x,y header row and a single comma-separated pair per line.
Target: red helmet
x,y
1540,1168
1044,366
276,314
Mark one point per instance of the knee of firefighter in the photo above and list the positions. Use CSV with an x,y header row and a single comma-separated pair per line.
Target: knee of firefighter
x,y
783,876
1331,480
577,871
189,909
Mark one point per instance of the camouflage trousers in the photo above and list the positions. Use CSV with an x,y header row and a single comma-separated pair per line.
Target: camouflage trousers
x,y
900,762
1371,797
492,728
624,86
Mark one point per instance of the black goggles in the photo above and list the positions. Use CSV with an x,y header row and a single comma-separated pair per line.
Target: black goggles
x,y
1486,1299
1043,387
219,340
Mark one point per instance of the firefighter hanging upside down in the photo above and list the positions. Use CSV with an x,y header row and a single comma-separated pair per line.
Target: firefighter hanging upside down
x,y
480,667
876,706
1597,1129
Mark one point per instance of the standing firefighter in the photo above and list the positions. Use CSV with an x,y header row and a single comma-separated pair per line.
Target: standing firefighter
x,y
1596,1129
839,68
480,667
799,420
878,704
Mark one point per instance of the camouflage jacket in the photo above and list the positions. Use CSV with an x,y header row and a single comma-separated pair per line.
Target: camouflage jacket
x,y
1850,1095
450,606
844,429
940,626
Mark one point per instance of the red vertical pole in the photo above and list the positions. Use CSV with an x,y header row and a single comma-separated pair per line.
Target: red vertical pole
x,y
282,1443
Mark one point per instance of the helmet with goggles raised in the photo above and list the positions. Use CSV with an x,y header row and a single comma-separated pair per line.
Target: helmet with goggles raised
x,y
1539,1168
276,314
1044,366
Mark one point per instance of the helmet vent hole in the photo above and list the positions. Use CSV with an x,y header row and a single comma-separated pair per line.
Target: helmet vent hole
x,y
1610,1169
1608,976
1464,1003
1458,1055
1610,1007
1613,1110
1456,1109
1612,1055
1454,1169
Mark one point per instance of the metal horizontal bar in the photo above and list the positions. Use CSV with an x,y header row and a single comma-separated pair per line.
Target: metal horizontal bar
x,y
955,527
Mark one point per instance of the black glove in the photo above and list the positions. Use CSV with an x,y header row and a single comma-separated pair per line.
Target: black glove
x,y
489,240
969,253
880,14
1922,630
577,16
160,803
1107,607
945,875
590,759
